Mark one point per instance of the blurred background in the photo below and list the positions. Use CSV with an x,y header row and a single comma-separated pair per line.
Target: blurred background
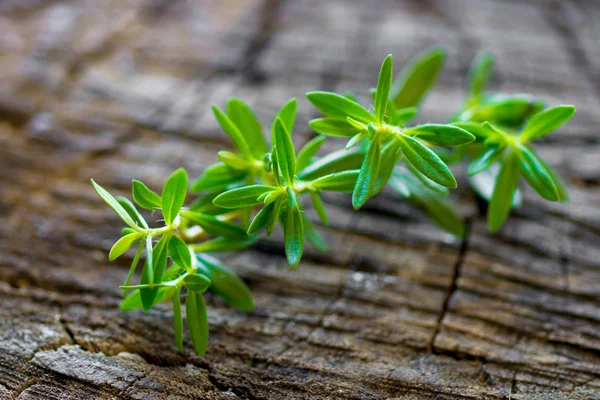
x,y
117,90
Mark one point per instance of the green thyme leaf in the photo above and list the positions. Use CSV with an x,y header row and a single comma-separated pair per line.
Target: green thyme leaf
x,y
114,204
232,160
196,282
483,162
180,253
307,152
426,161
444,135
320,208
425,181
286,155
197,321
415,80
242,197
213,225
536,174
337,182
173,195
287,114
226,283
293,231
313,236
247,123
333,127
479,76
232,131
367,176
159,264
178,320
504,189
123,244
337,161
483,184
145,197
274,217
148,294
546,121
403,115
225,244
336,106
261,219
389,155
355,139
217,176
132,211
384,83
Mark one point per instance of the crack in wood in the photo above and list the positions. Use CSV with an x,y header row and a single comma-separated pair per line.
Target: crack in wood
x,y
464,248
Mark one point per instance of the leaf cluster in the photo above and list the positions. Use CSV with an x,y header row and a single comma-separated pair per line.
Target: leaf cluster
x,y
265,182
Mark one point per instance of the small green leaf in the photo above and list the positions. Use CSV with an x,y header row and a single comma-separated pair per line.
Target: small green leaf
x,y
242,197
546,121
403,115
132,211
336,106
134,263
232,131
245,120
213,225
313,236
337,182
425,181
178,320
504,189
148,294
389,156
196,282
339,160
426,161
222,244
159,264
319,208
293,231
173,195
261,219
232,160
226,283
307,152
123,244
287,114
145,197
275,215
286,155
197,321
384,83
479,75
180,253
333,127
217,176
415,80
355,139
536,174
114,204
489,157
483,185
444,135
367,176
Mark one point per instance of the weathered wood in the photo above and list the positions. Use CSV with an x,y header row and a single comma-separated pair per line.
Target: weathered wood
x,y
397,309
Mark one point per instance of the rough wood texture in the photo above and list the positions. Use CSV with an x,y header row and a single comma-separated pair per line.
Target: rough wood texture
x,y
118,90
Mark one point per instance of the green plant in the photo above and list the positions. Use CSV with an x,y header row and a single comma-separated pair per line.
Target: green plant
x,y
266,181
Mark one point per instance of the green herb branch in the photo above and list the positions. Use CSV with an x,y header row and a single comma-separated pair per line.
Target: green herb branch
x,y
266,182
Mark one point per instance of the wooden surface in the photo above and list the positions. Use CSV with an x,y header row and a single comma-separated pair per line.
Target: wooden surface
x,y
118,90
